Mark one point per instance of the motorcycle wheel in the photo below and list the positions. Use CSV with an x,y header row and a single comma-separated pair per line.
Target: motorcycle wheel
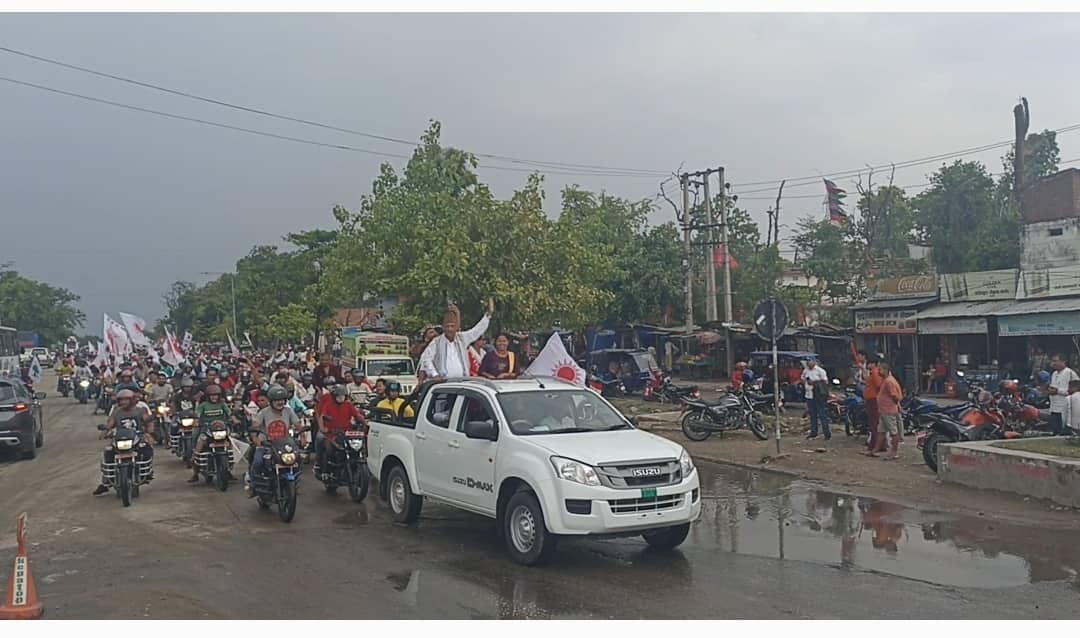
x,y
221,475
698,434
287,504
124,487
263,505
359,483
757,427
849,425
929,450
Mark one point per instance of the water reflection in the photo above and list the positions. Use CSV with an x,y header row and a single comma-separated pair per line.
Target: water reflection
x,y
766,514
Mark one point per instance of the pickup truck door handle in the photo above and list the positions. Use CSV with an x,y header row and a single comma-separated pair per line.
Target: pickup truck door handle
x,y
421,436
453,444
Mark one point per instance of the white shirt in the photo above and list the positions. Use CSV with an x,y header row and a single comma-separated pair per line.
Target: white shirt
x,y
455,367
811,376
304,394
1059,403
1074,412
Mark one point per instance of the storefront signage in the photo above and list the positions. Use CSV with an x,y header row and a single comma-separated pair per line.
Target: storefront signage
x,y
1055,282
953,326
1047,323
986,285
885,321
911,286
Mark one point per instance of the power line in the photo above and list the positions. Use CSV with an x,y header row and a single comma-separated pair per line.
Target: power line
x,y
330,127
289,138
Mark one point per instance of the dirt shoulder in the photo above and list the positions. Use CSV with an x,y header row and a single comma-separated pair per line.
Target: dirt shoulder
x,y
840,464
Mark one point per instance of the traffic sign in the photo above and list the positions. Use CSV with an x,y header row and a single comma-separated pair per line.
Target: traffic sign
x,y
770,319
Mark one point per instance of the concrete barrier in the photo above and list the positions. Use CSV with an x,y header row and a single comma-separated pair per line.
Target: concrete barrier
x,y
985,465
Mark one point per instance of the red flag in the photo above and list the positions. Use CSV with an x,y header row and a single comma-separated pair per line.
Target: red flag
x,y
718,258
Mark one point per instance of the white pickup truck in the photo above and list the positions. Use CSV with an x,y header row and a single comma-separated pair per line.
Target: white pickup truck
x,y
543,457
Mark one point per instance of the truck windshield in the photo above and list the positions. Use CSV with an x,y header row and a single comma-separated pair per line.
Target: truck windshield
x,y
559,412
390,368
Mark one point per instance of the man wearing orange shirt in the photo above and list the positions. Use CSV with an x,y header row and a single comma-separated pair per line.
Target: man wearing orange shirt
x,y
870,396
889,397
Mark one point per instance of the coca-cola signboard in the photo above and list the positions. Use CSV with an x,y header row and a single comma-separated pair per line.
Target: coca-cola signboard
x,y
910,286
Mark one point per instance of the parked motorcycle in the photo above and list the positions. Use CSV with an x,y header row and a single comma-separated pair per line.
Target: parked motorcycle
x,y
606,387
127,472
281,476
916,411
732,411
944,429
216,461
82,391
346,464
668,392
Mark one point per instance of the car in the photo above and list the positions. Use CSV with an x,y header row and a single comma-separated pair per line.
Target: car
x,y
544,457
43,355
20,418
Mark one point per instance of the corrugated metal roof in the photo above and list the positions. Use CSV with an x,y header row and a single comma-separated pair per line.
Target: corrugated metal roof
x,y
902,302
1000,308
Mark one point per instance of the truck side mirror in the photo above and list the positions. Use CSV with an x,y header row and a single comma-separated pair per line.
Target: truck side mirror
x,y
481,430
39,396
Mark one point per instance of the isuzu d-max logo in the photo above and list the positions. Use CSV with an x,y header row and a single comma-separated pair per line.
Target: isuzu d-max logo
x,y
474,484
640,472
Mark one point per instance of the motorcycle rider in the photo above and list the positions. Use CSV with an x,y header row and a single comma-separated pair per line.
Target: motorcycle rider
x,y
357,386
394,403
277,410
379,394
130,415
161,391
211,409
65,369
306,391
337,416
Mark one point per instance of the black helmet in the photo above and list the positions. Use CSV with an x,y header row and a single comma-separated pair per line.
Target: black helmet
x,y
357,373
277,393
307,377
393,386
339,391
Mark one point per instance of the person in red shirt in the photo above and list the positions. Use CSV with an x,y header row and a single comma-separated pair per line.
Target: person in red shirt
x,y
737,376
337,415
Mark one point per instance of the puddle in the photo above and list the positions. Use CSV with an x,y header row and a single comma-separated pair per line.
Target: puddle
x,y
358,517
766,514
516,599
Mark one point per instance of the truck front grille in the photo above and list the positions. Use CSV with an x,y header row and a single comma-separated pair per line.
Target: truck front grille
x,y
635,505
639,474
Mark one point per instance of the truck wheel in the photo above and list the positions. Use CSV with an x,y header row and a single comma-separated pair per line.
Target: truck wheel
x,y
527,537
404,505
668,537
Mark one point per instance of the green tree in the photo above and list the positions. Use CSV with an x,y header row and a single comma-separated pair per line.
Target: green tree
x,y
290,323
27,304
829,253
957,216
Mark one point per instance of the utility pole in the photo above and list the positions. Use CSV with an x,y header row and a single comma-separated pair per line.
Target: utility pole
x,y
727,265
687,223
710,271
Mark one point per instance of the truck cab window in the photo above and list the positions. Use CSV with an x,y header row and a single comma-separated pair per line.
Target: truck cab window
x,y
440,408
475,409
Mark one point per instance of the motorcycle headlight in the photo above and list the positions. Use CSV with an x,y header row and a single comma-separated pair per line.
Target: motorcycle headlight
x,y
124,444
686,463
288,458
187,423
574,471
309,413
163,409
356,444
84,384
220,435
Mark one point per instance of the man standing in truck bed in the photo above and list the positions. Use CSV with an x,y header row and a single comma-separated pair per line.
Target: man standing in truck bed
x,y
447,356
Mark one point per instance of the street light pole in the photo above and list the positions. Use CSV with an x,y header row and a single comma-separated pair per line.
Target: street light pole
x,y
232,289
318,306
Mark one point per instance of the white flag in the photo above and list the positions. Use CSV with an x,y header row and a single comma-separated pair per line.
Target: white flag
x,y
172,354
116,338
232,345
239,447
186,345
102,358
35,370
136,327
247,337
555,361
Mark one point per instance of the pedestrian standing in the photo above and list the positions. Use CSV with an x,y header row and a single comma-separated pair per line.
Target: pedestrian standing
x,y
870,401
816,383
1062,376
1074,408
888,401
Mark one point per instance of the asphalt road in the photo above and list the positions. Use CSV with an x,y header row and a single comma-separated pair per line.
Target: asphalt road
x,y
190,552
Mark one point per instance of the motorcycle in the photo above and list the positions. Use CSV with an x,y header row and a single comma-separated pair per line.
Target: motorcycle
x,y
82,391
305,438
217,460
917,411
160,410
64,387
183,442
732,411
281,476
606,387
346,464
105,399
126,473
944,429
668,392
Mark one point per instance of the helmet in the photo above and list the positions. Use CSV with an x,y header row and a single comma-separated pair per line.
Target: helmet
x,y
213,389
1009,386
277,393
393,386
186,382
1044,376
306,377
126,393
740,365
133,388
339,391
356,373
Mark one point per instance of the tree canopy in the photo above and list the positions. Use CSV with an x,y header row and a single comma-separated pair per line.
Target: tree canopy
x,y
33,305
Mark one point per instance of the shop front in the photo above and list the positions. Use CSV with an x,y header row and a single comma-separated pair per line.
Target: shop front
x,y
959,337
1036,330
890,327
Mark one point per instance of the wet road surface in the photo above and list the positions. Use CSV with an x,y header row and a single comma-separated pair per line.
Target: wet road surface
x,y
765,547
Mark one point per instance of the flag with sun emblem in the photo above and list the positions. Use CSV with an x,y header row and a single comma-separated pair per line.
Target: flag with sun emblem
x,y
555,361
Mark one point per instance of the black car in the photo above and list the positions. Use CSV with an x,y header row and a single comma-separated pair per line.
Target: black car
x,y
20,418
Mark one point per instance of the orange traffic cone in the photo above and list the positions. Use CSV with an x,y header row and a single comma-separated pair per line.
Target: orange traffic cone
x,y
21,602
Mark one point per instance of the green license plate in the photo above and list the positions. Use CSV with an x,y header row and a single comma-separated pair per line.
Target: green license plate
x,y
649,492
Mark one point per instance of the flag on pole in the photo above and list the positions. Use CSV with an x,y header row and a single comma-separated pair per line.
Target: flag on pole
x,y
836,196
555,361
35,370
240,448
172,354
102,358
247,337
136,327
186,345
116,337
232,345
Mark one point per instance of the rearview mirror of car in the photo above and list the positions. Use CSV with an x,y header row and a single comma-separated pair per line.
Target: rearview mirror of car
x,y
101,426
40,396
481,430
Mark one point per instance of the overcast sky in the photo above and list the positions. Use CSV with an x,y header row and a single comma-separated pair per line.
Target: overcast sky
x,y
115,205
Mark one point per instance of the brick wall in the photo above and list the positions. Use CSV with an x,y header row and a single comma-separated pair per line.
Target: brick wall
x,y
1054,197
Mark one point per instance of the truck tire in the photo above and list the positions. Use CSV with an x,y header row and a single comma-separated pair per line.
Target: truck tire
x,y
404,505
667,537
524,531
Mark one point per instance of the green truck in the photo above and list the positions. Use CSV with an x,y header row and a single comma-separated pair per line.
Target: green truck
x,y
379,356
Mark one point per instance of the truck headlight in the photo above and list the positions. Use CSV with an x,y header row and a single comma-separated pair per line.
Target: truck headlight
x,y
686,463
575,471
124,444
